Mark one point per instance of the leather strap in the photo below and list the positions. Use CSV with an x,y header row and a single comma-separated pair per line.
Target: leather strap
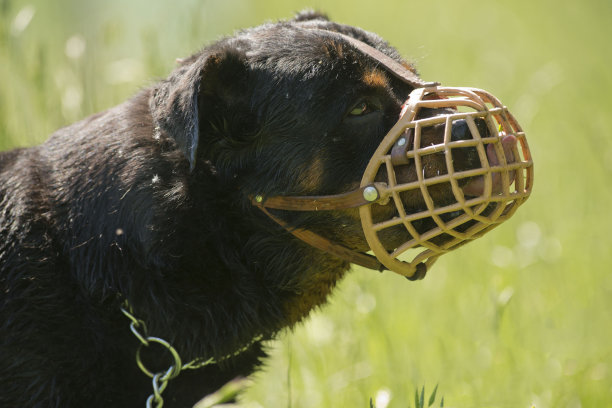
x,y
352,199
324,244
392,65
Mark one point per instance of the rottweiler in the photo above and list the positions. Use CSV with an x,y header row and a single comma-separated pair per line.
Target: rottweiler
x,y
132,234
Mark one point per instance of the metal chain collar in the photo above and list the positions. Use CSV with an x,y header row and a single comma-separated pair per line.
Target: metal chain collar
x,y
160,379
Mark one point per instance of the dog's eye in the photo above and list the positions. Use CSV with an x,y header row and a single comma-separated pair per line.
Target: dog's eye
x,y
362,108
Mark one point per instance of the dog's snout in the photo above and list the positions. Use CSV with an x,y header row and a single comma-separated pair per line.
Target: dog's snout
x,y
461,129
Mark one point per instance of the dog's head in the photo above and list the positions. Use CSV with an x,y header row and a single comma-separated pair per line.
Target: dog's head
x,y
291,109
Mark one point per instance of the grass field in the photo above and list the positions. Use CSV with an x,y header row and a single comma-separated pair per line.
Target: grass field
x,y
520,318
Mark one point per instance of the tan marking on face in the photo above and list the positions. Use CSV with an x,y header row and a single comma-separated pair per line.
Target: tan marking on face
x,y
333,49
339,50
311,178
375,78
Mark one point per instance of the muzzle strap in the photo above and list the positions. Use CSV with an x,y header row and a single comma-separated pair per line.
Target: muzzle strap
x,y
400,71
352,199
392,65
324,244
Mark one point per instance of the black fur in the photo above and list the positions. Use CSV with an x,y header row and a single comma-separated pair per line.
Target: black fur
x,y
149,202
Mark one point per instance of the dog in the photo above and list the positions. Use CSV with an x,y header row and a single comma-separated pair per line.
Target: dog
x,y
147,208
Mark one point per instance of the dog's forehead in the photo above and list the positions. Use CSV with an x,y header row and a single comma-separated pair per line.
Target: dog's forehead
x,y
299,45
318,49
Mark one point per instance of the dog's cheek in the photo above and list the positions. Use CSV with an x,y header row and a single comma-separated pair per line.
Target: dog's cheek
x,y
310,179
314,290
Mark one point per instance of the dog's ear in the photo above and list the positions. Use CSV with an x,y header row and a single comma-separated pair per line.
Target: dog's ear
x,y
177,103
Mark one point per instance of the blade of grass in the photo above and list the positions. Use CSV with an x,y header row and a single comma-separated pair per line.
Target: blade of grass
x,y
432,398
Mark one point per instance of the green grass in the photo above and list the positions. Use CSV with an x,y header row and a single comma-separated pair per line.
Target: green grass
x,y
519,318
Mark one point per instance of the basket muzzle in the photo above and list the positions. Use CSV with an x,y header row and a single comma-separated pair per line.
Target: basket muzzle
x,y
480,195
412,212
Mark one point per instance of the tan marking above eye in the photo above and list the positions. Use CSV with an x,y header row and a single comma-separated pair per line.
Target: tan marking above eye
x,y
375,78
312,176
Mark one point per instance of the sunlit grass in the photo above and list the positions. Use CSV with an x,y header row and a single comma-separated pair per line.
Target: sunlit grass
x,y
519,318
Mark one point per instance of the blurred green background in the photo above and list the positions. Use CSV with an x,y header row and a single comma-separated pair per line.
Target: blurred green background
x,y
520,318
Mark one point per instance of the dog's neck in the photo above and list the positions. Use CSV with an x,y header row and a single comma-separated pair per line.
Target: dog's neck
x,y
207,289
236,276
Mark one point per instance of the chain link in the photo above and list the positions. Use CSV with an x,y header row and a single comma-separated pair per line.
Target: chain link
x,y
160,379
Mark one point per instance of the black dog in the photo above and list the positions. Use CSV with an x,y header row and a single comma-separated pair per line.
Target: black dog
x,y
150,203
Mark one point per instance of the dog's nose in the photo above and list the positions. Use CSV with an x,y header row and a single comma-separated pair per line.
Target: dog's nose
x,y
461,130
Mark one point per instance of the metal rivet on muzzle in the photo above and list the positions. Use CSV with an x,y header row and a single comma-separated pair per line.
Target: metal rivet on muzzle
x,y
370,193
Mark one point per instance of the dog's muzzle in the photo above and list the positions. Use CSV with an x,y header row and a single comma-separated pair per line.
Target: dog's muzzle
x,y
479,196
